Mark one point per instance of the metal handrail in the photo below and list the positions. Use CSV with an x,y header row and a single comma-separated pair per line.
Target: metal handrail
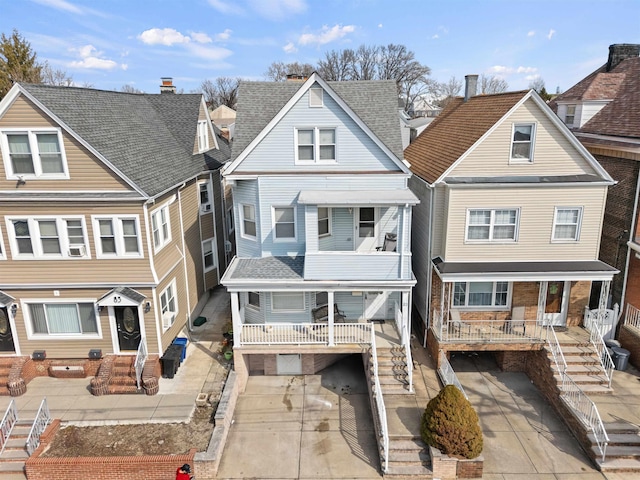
x,y
43,418
632,316
141,358
447,374
8,422
603,354
382,412
556,350
587,411
406,343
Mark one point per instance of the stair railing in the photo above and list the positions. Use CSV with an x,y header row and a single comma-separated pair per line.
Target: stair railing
x,y
382,412
141,358
406,343
8,422
556,350
447,374
603,354
43,418
586,411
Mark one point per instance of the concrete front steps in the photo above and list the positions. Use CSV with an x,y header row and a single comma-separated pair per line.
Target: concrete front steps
x,y
623,451
392,370
583,367
15,452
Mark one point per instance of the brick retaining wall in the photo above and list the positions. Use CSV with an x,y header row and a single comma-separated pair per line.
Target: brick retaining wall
x,y
629,337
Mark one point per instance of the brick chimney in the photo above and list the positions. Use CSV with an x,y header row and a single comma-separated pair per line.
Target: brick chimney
x,y
619,52
167,85
296,77
470,86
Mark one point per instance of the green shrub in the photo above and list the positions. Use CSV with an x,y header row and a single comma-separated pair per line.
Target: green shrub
x,y
450,424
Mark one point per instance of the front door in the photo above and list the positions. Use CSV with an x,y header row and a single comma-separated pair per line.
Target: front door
x,y
555,311
6,336
366,231
375,305
128,326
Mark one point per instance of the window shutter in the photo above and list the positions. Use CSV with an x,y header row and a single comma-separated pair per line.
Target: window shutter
x,y
315,97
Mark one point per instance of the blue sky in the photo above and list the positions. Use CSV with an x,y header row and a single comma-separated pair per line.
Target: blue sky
x,y
111,43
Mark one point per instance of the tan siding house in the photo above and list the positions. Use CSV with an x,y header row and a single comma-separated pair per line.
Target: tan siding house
x,y
98,250
516,221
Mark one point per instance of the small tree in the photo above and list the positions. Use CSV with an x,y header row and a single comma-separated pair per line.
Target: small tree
x,y
17,62
450,424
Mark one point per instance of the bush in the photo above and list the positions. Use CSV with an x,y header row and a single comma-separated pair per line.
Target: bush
x,y
450,424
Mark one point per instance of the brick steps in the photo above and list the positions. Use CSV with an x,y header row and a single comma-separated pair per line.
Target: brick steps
x,y
408,458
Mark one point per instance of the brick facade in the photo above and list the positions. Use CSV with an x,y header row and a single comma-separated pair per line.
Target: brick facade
x,y
629,337
632,295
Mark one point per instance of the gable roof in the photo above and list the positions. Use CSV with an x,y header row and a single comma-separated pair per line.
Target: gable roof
x,y
371,103
621,116
146,138
458,127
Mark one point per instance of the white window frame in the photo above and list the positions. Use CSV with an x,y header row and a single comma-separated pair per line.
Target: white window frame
x,y
492,225
169,317
36,243
203,135
231,224
328,218
242,220
253,306
555,224
528,160
208,206
493,305
35,154
572,115
156,216
295,223
213,255
291,309
316,145
31,335
3,251
118,235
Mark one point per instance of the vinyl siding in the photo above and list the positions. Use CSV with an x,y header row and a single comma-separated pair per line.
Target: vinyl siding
x,y
74,271
421,230
440,205
166,258
86,172
553,153
245,192
181,301
537,206
190,203
356,266
355,151
286,317
75,348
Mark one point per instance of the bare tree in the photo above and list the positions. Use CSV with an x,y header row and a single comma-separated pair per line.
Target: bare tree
x,y
278,71
126,88
491,84
446,91
537,84
337,66
365,63
221,91
55,76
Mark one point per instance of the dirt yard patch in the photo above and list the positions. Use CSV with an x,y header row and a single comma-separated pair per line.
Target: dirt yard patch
x,y
139,439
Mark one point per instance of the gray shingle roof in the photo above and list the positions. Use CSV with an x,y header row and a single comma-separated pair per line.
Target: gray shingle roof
x,y
5,299
374,102
270,268
149,137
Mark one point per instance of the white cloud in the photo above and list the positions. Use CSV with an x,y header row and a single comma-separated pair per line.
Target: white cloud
x,y
531,33
200,37
228,6
223,36
61,5
531,78
379,25
526,70
290,48
551,33
208,53
326,35
90,58
504,70
277,9
435,37
162,36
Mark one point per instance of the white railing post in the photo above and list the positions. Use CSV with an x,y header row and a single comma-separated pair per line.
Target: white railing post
x,y
382,412
556,350
8,422
141,358
43,418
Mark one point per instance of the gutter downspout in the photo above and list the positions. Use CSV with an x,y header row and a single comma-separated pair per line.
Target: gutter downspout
x,y
632,230
430,191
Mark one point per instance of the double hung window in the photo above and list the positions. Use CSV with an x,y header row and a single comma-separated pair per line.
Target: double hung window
x,y
203,136
48,237
208,253
205,197
522,142
492,225
324,221
287,301
316,145
481,294
168,305
33,154
117,236
63,319
248,213
566,224
160,227
284,223
570,115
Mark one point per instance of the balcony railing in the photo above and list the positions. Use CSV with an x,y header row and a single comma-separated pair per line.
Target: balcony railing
x,y
487,331
632,316
343,265
304,334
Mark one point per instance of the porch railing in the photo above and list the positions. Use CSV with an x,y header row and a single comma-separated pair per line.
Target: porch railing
x,y
43,418
487,331
304,333
556,351
603,354
587,412
406,343
447,374
141,358
632,316
8,422
382,412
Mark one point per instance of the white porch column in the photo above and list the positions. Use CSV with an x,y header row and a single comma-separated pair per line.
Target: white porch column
x,y
235,317
330,320
405,316
542,302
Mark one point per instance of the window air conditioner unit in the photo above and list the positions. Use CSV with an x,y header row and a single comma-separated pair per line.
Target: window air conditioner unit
x,y
227,246
77,251
206,207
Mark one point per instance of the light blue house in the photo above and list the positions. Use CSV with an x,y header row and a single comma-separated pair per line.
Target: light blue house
x,y
322,215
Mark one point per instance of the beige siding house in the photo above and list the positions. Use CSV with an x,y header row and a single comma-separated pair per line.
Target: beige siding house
x,y
509,222
111,233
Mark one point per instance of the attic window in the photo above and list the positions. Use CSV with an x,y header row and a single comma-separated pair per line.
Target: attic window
x,y
570,116
203,136
522,143
316,97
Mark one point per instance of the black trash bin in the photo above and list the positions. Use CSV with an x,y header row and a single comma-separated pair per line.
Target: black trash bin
x,y
171,360
621,359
